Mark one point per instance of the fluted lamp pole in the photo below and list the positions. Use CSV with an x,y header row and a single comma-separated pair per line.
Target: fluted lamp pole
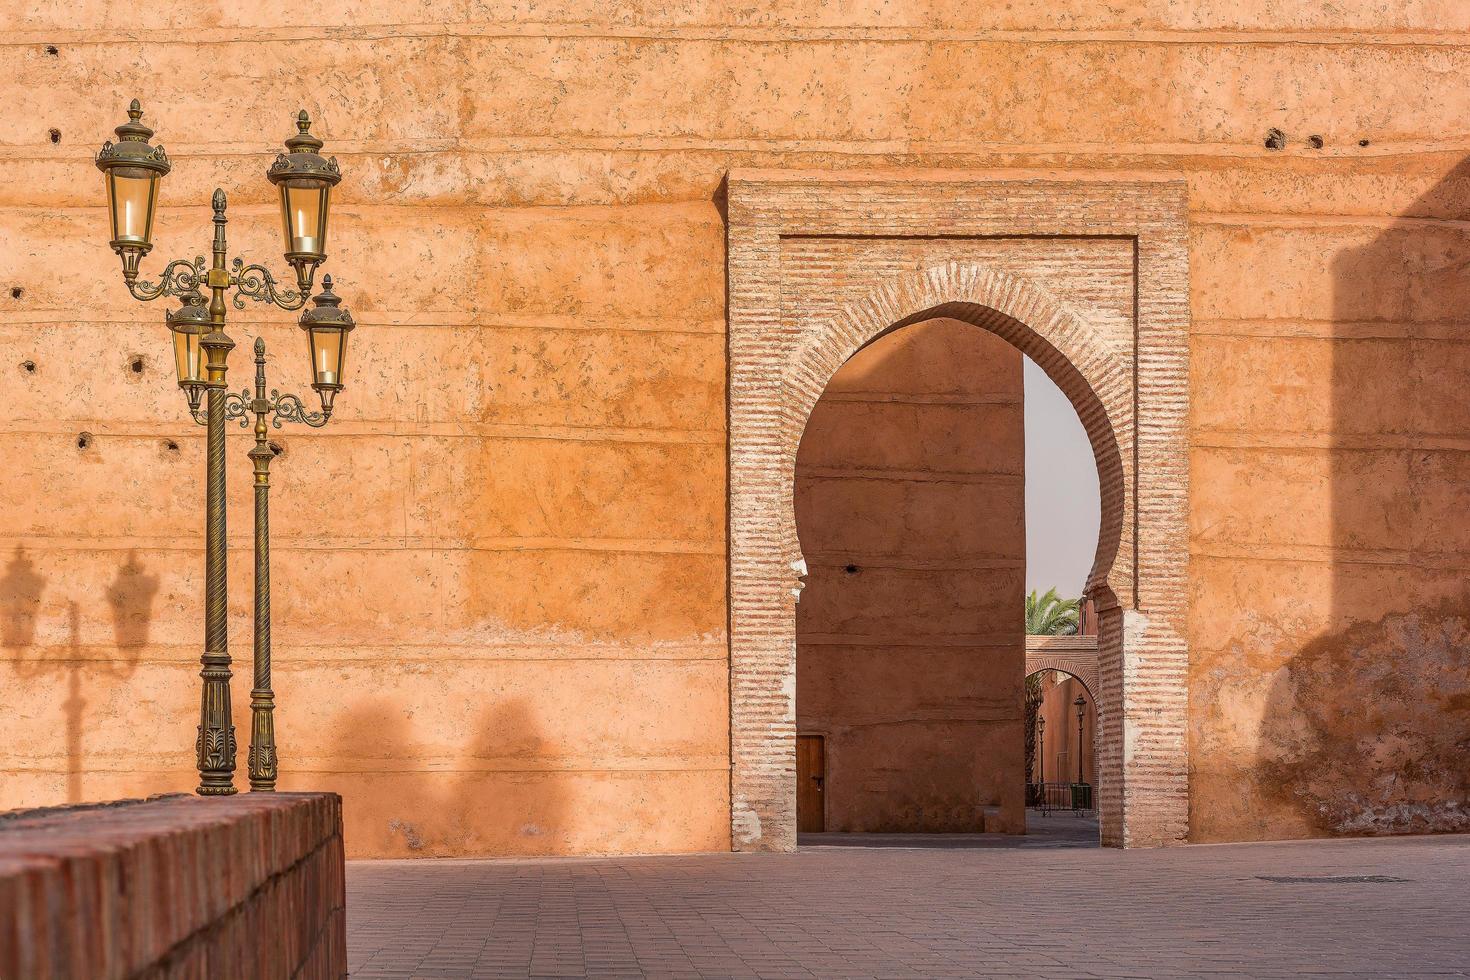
x,y
133,170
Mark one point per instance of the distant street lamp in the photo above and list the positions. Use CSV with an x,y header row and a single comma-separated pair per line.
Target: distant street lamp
x,y
1081,704
133,169
1041,750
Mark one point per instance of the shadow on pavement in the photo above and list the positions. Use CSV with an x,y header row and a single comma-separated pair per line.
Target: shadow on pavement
x,y
1062,830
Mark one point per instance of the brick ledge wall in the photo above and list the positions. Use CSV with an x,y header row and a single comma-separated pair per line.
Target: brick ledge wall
x,y
175,886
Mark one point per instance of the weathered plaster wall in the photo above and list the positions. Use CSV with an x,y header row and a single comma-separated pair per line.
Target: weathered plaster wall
x,y
910,650
511,638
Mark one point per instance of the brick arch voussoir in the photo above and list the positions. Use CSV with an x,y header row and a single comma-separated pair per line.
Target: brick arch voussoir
x,y
1062,342
1084,672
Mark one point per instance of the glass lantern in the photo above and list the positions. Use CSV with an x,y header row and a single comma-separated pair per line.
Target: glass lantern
x,y
327,325
189,323
132,170
305,180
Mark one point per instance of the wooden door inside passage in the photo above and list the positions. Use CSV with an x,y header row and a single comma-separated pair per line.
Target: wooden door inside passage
x,y
811,775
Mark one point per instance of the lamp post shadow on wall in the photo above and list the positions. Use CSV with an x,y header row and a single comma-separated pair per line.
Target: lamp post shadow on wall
x,y
133,170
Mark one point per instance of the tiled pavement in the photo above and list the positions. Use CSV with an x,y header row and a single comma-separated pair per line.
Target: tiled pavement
x,y
1388,907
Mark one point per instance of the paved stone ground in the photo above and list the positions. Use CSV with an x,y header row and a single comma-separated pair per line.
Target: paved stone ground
x,y
1056,830
1389,907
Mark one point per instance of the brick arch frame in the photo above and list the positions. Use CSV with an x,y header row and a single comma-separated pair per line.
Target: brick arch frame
x,y
1130,392
1085,673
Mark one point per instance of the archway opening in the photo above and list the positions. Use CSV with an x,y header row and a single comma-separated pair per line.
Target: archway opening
x,y
1061,756
912,653
1089,279
1063,518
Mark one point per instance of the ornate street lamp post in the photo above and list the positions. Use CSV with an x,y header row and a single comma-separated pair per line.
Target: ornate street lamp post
x,y
1041,752
132,169
1081,706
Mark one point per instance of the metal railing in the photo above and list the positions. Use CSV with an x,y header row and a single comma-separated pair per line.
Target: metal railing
x,y
1059,797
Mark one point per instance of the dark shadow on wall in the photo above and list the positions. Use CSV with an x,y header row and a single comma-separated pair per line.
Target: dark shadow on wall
x,y
73,706
1367,727
130,598
496,798
20,601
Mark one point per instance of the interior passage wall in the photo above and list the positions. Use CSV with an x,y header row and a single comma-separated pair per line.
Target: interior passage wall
x,y
500,571
1059,745
910,645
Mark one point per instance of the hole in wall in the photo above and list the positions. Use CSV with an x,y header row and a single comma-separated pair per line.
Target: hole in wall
x,y
1275,139
52,50
1364,142
56,136
16,292
28,366
1315,142
170,445
84,440
277,448
135,364
851,569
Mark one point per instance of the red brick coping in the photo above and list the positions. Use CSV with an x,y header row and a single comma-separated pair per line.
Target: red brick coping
x,y
175,886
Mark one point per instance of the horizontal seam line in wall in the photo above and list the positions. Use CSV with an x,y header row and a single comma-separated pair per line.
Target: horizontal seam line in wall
x,y
1414,333
779,33
1328,443
909,563
888,146
1340,556
944,640
833,474
379,321
904,398
884,642
40,666
447,644
958,236
1344,321
391,428
401,772
1299,221
710,548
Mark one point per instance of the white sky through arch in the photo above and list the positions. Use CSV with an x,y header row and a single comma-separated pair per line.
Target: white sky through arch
x,y
1063,505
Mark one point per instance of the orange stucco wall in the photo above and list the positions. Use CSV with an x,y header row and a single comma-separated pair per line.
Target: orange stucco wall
x,y
500,572
910,652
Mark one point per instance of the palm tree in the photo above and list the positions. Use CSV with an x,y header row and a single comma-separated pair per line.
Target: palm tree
x,y
1033,706
1051,615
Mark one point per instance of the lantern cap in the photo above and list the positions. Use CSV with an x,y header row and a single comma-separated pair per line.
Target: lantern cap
x,y
302,161
328,311
132,148
192,316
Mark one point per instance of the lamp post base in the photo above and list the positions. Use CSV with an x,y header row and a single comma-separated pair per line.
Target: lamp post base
x,y
262,742
215,746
